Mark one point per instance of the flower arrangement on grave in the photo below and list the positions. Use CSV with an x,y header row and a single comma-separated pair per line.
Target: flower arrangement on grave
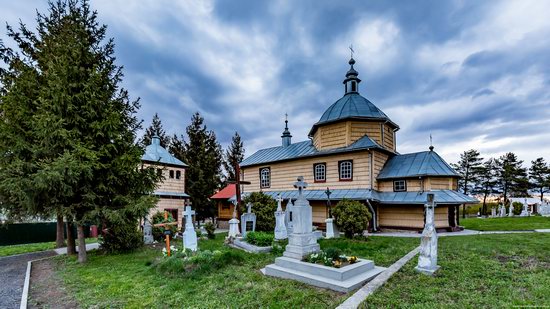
x,y
331,257
173,250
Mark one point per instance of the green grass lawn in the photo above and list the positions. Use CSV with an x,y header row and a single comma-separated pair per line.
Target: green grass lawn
x,y
483,271
127,281
506,224
26,248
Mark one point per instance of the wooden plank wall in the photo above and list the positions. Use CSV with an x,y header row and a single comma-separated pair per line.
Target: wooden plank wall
x,y
345,133
371,129
389,142
430,183
410,216
284,174
331,136
170,184
225,214
167,203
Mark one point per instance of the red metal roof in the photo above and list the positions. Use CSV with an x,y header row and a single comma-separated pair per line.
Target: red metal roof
x,y
226,192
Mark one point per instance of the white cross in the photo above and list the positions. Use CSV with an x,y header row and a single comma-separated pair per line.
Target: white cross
x,y
189,213
300,184
279,201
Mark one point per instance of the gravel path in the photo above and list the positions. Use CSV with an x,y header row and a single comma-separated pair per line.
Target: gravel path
x,y
12,276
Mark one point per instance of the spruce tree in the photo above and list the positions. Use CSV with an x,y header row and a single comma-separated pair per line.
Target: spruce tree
x,y
233,155
203,154
539,176
468,168
81,156
512,176
486,181
155,129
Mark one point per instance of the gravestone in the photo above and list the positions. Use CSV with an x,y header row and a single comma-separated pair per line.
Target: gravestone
x,y
288,217
147,232
280,228
302,241
501,211
248,220
544,209
189,235
525,210
493,212
427,259
511,210
234,225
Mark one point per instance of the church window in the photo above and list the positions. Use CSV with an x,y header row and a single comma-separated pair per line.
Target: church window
x,y
399,186
178,174
353,86
265,177
320,172
171,174
345,170
159,172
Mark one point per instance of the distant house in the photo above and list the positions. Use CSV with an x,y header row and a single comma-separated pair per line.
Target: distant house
x,y
225,205
352,150
171,191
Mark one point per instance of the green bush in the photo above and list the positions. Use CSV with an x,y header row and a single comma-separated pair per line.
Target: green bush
x,y
210,229
352,217
190,264
279,246
264,206
518,207
260,239
122,237
158,232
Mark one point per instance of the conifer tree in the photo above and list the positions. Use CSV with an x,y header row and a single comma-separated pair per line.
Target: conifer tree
x,y
539,176
486,181
203,154
468,168
512,176
233,155
155,129
74,149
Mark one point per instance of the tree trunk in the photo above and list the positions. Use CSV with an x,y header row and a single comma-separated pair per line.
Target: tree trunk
x,y
60,232
71,246
82,257
463,211
484,207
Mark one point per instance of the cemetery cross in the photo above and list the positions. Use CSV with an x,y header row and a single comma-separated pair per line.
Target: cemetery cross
x,y
167,231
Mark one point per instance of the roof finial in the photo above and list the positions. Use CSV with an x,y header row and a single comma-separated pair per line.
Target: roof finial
x,y
287,138
351,50
431,143
286,121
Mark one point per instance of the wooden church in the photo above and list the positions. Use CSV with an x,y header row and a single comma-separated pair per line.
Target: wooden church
x,y
352,151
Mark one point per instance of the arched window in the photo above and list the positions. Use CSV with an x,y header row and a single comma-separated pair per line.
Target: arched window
x,y
171,174
265,177
345,170
320,172
178,174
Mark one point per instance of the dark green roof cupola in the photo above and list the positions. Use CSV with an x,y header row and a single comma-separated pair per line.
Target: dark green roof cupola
x,y
351,83
287,138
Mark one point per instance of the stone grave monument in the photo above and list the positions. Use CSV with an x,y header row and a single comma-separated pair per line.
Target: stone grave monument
x,y
511,210
427,259
189,235
280,228
493,212
302,242
525,210
248,220
147,232
501,211
544,209
234,225
288,217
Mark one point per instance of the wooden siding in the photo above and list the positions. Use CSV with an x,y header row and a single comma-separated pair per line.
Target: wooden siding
x,y
284,174
225,214
166,203
379,161
170,184
346,133
410,216
430,183
331,136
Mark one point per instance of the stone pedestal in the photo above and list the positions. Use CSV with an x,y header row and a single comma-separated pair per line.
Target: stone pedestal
x,y
147,232
510,210
189,235
280,228
525,210
427,260
493,212
234,228
332,230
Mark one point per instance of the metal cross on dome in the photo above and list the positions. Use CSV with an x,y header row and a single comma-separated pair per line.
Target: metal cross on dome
x,y
351,49
300,184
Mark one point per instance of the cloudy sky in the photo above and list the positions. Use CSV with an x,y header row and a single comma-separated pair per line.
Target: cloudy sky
x,y
474,74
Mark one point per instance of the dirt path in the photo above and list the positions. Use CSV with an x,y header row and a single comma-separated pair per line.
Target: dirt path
x,y
12,276
47,289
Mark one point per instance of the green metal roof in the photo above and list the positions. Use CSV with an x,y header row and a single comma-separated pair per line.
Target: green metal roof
x,y
426,163
155,153
304,149
351,106
440,196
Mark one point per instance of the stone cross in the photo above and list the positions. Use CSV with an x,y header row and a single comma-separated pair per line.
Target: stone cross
x,y
427,260
280,228
249,208
300,185
147,232
189,235
279,201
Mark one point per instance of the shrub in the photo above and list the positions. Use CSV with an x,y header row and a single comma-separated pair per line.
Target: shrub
x,y
518,207
352,217
264,206
122,237
279,246
158,232
210,229
260,239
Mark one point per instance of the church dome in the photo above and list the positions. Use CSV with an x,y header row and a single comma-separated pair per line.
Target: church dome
x,y
352,105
